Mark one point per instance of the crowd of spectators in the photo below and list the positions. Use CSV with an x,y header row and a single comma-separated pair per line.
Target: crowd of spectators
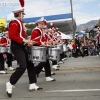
x,y
81,46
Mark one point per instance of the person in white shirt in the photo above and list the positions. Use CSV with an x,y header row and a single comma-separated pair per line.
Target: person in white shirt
x,y
69,49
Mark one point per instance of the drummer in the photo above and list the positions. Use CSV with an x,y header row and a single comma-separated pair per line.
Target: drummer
x,y
2,69
54,42
59,38
48,40
59,41
46,36
9,55
50,37
18,42
40,39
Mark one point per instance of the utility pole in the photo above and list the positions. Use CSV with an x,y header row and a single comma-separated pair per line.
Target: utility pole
x,y
72,20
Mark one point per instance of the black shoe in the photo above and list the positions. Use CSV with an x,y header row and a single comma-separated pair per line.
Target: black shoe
x,y
9,95
38,75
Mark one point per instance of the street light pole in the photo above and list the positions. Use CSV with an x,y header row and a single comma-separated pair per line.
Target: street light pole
x,y
72,20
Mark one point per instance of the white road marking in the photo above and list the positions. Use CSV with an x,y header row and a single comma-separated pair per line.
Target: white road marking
x,y
81,90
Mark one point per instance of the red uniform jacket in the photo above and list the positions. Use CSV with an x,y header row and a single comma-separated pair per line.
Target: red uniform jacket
x,y
52,39
36,36
14,31
44,38
49,38
3,41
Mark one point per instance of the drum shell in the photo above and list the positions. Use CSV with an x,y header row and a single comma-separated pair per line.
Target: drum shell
x,y
9,49
60,46
54,54
49,50
3,49
38,54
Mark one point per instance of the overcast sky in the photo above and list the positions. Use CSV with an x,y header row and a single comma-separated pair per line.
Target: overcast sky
x,y
83,10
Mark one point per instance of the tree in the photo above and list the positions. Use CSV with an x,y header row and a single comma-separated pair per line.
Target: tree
x,y
29,28
2,29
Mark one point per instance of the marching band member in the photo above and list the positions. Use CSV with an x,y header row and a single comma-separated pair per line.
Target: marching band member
x,y
17,35
40,39
59,41
54,38
2,71
59,38
6,40
50,37
46,38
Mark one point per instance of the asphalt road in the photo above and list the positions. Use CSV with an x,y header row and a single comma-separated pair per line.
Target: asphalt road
x,y
77,79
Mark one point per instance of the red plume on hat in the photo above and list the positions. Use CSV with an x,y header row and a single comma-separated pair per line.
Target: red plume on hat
x,y
21,3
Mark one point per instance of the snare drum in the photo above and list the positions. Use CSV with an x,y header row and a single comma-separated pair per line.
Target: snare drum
x,y
60,46
49,49
54,54
38,54
9,49
3,49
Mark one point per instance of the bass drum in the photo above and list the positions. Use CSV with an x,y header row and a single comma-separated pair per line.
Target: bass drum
x,y
38,54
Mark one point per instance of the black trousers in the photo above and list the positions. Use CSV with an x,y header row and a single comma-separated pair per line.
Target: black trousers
x,y
61,56
9,59
46,66
22,58
79,51
54,62
1,62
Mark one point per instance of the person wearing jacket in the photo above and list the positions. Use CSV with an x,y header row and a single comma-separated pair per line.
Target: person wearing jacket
x,y
40,39
18,42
